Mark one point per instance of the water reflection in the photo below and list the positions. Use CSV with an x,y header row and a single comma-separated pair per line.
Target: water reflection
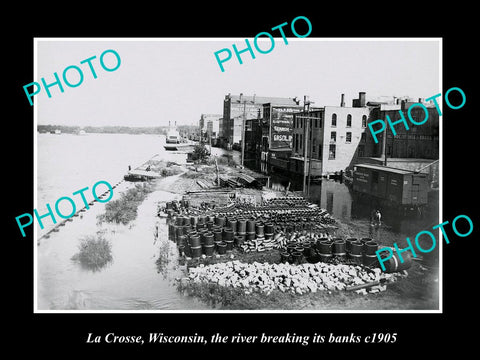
x,y
342,203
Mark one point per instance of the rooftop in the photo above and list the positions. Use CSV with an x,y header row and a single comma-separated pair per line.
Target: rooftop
x,y
384,168
261,100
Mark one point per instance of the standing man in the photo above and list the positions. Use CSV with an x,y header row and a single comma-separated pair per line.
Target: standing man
x,y
375,223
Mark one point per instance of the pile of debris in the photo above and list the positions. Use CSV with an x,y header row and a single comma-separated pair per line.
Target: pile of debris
x,y
297,279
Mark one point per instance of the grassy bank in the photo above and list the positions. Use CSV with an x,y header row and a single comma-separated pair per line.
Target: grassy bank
x,y
124,209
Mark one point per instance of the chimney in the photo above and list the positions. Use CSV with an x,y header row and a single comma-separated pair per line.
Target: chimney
x,y
342,102
421,100
241,97
362,99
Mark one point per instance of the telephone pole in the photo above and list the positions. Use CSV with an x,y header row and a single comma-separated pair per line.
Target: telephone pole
x,y
243,132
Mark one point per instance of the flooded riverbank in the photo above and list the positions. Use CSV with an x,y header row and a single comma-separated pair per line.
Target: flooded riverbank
x,y
132,280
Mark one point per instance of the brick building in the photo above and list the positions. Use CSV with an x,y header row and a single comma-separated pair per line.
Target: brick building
x,y
335,136
237,108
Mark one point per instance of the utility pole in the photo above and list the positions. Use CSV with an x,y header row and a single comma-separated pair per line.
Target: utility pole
x,y
306,156
384,146
243,132
305,133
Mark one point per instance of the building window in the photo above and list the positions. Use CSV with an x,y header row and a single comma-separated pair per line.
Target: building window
x,y
316,122
348,137
364,121
296,142
301,141
314,145
301,123
349,120
333,136
320,152
334,120
320,123
363,138
331,153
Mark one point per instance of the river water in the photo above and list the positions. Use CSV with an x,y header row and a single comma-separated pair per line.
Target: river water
x,y
135,279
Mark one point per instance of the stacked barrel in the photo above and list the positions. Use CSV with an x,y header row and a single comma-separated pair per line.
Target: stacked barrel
x,y
351,250
197,235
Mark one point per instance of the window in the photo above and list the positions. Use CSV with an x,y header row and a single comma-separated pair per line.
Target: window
x,y
301,141
334,120
314,145
296,142
333,136
363,138
348,138
331,153
375,177
316,122
320,151
364,121
349,120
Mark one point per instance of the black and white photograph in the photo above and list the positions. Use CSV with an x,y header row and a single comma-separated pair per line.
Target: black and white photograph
x,y
207,181
240,186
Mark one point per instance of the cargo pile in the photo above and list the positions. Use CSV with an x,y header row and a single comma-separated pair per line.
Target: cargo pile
x,y
245,227
285,277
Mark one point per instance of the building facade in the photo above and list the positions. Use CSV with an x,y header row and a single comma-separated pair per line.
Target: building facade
x,y
334,136
239,108
209,125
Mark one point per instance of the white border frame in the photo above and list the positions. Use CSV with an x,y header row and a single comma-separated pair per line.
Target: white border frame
x,y
440,243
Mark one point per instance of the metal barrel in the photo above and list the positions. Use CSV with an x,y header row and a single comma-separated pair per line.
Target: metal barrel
x,y
241,226
250,226
325,257
348,243
208,239
229,245
208,249
181,240
356,248
221,248
297,257
232,224
195,241
187,250
227,234
394,264
324,248
196,251
260,230
338,247
369,260
269,230
370,248
217,235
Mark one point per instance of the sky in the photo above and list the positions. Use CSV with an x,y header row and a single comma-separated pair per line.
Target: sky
x,y
177,80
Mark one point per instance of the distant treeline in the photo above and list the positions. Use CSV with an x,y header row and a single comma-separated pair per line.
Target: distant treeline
x,y
113,129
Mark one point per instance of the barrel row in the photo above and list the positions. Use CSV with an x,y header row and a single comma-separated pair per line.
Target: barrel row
x,y
357,251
